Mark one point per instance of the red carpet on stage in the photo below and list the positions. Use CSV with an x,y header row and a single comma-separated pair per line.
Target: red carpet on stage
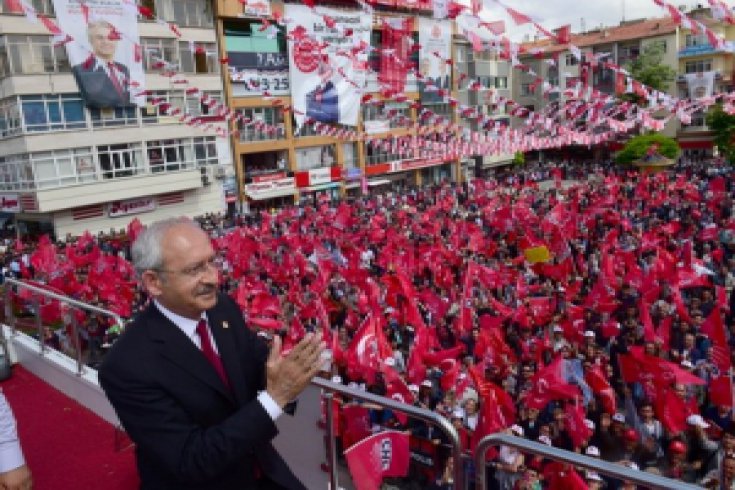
x,y
66,446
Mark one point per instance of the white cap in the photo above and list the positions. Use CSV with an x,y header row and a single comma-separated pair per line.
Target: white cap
x,y
337,379
516,429
591,475
632,465
590,425
390,361
353,385
697,420
592,451
619,417
426,383
544,440
262,333
458,413
589,333
413,388
686,364
557,328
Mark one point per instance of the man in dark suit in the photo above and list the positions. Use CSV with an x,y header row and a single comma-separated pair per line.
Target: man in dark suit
x,y
102,81
195,389
322,103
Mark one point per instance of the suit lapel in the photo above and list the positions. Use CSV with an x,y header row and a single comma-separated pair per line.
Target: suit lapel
x,y
181,351
230,352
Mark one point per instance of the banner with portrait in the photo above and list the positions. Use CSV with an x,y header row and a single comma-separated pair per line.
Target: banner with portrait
x,y
435,38
104,53
701,84
327,77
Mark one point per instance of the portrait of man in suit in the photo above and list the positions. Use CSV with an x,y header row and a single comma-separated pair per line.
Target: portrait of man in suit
x,y
103,82
196,390
322,103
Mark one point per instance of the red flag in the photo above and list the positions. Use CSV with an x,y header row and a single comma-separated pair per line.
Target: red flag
x,y
714,328
380,455
671,411
649,334
720,391
357,424
564,34
394,59
600,386
574,423
398,390
518,17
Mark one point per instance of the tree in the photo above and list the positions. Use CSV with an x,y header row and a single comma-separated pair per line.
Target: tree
x,y
519,158
639,146
723,125
648,69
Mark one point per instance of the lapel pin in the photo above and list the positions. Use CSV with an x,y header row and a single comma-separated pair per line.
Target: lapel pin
x,y
225,325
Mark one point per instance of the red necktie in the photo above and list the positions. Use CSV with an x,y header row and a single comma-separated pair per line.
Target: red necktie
x,y
209,352
114,79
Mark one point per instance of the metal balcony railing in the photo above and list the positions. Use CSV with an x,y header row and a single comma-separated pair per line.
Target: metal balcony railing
x,y
649,480
13,284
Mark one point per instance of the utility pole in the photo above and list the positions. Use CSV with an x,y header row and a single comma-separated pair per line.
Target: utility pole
x,y
622,7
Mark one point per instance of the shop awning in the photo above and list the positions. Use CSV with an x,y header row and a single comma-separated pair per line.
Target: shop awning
x,y
375,182
260,196
320,187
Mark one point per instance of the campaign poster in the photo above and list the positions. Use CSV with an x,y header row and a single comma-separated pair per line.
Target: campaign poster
x,y
327,74
435,38
104,53
257,59
701,84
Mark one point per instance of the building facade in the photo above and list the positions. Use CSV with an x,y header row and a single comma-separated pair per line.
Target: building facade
x,y
279,163
67,168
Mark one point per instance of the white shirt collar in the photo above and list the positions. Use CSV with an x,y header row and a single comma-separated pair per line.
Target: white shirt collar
x,y
187,325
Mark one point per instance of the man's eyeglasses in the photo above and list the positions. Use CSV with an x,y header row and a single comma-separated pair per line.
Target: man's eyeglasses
x,y
196,270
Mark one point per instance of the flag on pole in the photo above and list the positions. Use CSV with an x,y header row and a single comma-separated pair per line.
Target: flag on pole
x,y
375,457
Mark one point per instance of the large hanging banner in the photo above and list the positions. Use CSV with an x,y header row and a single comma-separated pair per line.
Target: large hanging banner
x,y
105,52
257,60
701,84
326,79
435,38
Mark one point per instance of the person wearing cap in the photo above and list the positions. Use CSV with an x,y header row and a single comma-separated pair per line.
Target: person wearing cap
x,y
700,447
726,447
510,462
558,342
634,451
676,466
593,480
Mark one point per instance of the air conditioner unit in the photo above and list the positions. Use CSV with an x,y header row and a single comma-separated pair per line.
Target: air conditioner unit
x,y
220,173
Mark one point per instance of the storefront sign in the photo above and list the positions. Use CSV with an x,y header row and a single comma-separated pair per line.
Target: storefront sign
x,y
131,206
259,8
269,177
351,173
279,185
318,176
9,203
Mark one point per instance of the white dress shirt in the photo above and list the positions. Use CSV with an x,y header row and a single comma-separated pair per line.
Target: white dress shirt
x,y
11,455
189,326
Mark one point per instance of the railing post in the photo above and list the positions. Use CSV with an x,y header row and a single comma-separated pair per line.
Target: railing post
x,y
39,322
77,340
9,315
331,442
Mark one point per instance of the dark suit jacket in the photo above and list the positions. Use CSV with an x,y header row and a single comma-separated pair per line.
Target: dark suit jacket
x,y
190,431
96,86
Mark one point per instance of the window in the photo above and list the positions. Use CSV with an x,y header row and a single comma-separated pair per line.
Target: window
x,y
16,173
153,114
397,115
571,60
661,44
696,40
252,128
315,157
156,50
123,160
196,107
552,76
378,153
349,155
52,112
199,57
110,117
45,7
62,167
698,119
169,155
527,90
190,13
10,118
698,66
30,54
501,82
205,150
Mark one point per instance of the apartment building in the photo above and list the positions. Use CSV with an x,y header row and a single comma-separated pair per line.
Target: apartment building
x,y
280,162
703,70
67,167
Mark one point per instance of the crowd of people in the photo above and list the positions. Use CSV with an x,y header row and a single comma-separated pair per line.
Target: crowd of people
x,y
592,311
